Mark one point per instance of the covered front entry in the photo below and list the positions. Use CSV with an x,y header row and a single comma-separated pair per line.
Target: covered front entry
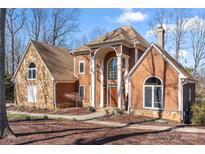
x,y
108,69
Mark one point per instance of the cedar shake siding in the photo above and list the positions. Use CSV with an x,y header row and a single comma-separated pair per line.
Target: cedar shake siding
x,y
66,95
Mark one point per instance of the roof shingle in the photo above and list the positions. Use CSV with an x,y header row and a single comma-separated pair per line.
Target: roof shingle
x,y
58,60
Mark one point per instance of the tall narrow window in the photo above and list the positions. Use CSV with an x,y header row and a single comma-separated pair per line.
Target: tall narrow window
x,y
32,71
112,69
81,67
82,92
153,93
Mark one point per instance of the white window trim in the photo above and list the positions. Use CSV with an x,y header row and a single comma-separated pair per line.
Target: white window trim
x,y
83,99
83,62
152,86
31,69
107,68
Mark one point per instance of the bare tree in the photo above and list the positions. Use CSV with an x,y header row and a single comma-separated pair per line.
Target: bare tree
x,y
180,19
64,21
37,26
18,50
15,22
96,32
4,125
161,18
197,34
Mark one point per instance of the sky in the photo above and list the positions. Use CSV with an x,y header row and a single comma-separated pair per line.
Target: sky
x,y
139,19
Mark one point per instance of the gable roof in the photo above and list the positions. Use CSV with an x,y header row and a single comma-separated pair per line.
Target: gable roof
x,y
59,61
126,33
178,67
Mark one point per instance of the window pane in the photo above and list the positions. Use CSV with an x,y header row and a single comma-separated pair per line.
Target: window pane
x,y
34,74
112,69
157,97
81,67
29,74
148,96
81,92
32,65
153,81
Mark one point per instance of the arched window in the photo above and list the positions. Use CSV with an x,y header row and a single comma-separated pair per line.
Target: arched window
x,y
32,71
112,69
153,93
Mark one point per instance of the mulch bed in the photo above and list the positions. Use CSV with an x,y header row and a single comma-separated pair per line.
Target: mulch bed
x,y
67,111
133,119
72,132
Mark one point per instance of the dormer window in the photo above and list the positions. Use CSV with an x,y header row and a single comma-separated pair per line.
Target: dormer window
x,y
32,71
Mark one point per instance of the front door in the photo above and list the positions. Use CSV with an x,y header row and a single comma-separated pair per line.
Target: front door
x,y
112,95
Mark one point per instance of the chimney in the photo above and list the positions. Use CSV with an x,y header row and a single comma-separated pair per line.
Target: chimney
x,y
160,36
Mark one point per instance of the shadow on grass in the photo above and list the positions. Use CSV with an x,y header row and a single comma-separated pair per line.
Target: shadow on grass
x,y
105,140
27,120
55,137
57,131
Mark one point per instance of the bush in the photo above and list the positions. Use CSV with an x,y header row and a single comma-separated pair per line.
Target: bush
x,y
198,113
90,109
28,117
117,111
9,88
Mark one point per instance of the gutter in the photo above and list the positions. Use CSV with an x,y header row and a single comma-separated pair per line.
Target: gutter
x,y
54,93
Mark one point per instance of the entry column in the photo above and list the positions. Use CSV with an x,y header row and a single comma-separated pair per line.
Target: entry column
x,y
93,82
119,81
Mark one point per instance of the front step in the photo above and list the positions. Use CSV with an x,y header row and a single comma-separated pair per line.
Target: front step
x,y
110,110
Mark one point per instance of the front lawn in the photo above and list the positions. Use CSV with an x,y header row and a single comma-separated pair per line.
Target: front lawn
x,y
46,131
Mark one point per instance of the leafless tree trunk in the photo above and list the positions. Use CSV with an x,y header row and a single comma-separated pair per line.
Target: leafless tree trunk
x,y
96,32
198,43
161,18
64,21
179,19
15,22
4,125
39,18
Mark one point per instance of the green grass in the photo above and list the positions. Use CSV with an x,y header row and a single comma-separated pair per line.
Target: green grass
x,y
23,116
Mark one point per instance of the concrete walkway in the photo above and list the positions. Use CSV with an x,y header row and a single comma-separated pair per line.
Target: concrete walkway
x,y
92,118
86,117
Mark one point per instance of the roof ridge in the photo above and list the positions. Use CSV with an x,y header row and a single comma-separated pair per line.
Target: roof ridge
x,y
172,58
45,43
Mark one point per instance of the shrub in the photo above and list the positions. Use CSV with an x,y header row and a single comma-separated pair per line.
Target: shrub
x,y
90,109
28,117
117,111
198,113
45,117
8,87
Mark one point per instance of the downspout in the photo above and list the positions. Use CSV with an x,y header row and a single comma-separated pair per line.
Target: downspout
x,y
129,96
54,93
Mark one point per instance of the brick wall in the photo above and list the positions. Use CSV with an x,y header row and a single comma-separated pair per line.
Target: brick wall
x,y
84,79
155,65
